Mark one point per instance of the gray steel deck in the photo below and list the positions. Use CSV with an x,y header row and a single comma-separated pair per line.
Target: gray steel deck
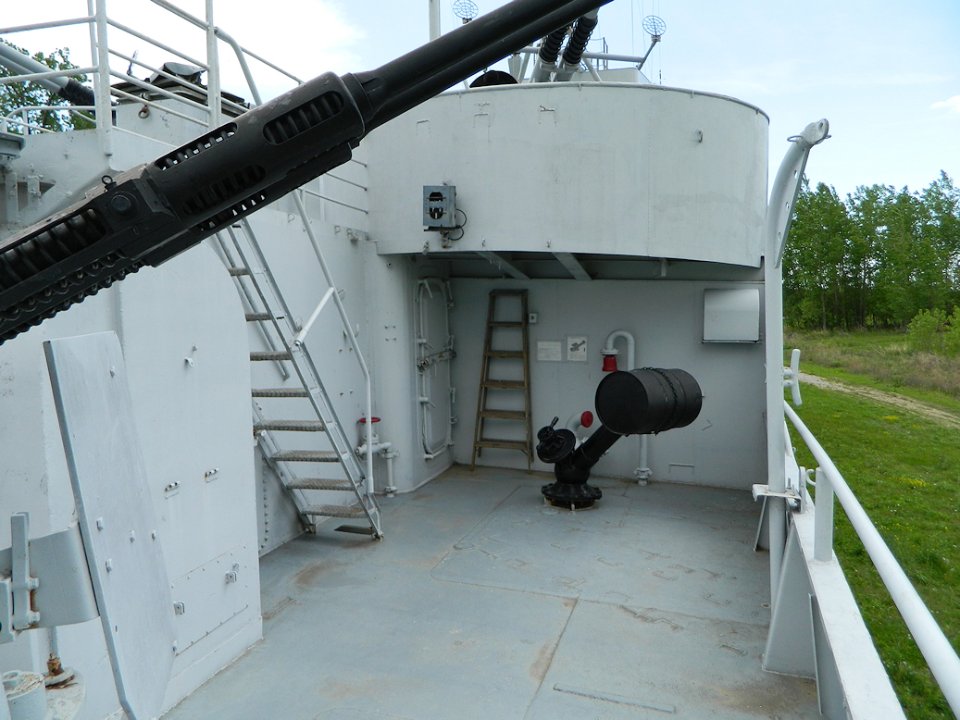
x,y
482,602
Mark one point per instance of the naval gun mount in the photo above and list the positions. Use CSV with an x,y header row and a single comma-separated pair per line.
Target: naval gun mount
x,y
641,401
152,212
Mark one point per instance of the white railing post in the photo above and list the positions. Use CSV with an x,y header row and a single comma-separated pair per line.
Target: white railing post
x,y
101,79
213,70
823,519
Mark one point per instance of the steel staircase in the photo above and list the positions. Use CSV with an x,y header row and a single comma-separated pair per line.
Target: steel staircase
x,y
265,305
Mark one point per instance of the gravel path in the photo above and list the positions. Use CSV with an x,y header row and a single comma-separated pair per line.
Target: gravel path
x,y
944,417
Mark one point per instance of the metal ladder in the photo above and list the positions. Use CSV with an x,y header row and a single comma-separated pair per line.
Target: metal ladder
x,y
487,383
264,304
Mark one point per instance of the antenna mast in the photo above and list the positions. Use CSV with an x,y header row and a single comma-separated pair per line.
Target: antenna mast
x,y
466,10
655,27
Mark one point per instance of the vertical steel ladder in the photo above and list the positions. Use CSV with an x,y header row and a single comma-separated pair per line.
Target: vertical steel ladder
x,y
502,330
265,305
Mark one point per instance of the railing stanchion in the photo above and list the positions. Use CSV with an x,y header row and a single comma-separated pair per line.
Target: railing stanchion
x,y
823,521
98,33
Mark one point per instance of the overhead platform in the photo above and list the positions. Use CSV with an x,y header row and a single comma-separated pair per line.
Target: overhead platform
x,y
583,266
567,168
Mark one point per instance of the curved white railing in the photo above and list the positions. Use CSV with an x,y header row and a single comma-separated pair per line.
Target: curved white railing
x,y
937,651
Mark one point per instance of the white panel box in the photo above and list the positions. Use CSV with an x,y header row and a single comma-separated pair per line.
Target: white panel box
x,y
731,316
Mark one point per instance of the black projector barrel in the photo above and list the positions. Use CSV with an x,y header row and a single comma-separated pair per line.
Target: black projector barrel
x,y
648,400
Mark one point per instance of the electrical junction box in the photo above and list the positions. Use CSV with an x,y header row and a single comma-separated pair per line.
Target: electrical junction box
x,y
439,207
731,316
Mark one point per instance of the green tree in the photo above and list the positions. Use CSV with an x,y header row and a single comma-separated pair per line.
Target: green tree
x,y
875,259
864,208
815,263
940,226
21,95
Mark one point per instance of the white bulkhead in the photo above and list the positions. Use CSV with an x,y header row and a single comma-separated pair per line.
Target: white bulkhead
x,y
603,168
660,193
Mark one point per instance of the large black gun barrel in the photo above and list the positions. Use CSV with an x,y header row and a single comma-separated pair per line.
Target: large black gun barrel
x,y
148,214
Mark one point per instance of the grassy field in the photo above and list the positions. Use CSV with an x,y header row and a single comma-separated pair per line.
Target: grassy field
x,y
883,359
905,470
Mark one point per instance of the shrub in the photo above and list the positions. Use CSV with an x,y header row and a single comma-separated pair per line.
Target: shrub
x,y
925,332
951,338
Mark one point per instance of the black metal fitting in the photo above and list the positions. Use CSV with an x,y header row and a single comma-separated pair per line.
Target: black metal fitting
x,y
647,400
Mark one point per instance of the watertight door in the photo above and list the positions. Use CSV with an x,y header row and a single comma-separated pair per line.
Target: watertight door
x,y
434,354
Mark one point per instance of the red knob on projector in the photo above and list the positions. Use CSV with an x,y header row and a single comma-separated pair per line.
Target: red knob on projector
x,y
586,418
609,362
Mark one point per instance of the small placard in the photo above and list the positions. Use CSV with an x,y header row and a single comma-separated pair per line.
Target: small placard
x,y
549,351
577,349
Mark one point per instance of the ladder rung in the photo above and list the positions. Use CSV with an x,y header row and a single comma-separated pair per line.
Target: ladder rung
x,y
504,414
258,317
505,384
503,444
306,456
290,425
357,529
506,323
271,355
280,392
507,291
518,354
319,484
342,511
238,271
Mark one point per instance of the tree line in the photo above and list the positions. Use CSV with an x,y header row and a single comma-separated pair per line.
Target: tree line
x,y
876,259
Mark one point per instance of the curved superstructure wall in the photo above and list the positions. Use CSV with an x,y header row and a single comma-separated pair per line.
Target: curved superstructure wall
x,y
620,169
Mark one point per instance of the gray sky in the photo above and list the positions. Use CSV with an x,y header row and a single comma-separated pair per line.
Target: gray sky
x,y
886,75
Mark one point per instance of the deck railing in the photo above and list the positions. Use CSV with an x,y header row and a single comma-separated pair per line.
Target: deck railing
x,y
934,645
105,34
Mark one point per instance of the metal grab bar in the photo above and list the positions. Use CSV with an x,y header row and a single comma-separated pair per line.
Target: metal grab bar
x,y
302,335
941,658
